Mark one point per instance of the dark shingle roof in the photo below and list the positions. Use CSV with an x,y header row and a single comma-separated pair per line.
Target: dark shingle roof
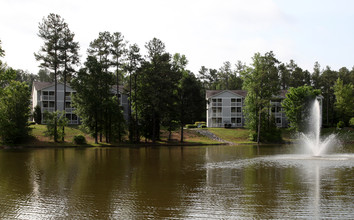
x,y
41,85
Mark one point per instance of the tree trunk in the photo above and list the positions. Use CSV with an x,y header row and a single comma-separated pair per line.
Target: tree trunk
x,y
96,129
62,139
153,127
259,127
55,106
181,133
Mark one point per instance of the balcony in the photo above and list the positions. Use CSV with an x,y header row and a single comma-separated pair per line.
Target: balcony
x,y
216,115
236,114
48,109
238,104
69,110
216,104
47,98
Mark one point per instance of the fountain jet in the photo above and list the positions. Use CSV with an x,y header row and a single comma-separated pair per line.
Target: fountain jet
x,y
312,139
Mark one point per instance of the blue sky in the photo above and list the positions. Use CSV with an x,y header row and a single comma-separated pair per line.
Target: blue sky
x,y
208,32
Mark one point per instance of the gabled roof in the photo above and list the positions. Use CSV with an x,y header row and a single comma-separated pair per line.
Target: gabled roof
x,y
211,93
243,93
41,85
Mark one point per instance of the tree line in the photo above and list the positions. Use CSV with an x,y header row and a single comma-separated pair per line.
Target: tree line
x,y
161,91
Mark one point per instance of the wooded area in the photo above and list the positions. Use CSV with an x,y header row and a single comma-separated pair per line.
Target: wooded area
x,y
162,91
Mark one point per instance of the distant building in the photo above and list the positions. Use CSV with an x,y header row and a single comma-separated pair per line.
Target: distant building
x,y
225,108
43,96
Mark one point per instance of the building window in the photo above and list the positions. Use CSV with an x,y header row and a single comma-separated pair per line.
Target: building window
x,y
45,92
51,92
233,109
278,120
67,104
45,104
239,109
233,120
238,120
74,117
51,104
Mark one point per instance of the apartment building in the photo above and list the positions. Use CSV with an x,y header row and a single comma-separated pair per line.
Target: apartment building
x,y
43,96
225,108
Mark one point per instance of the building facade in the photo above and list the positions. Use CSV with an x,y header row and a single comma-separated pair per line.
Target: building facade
x,y
225,108
43,96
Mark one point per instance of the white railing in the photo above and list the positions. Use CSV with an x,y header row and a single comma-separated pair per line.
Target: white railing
x,y
216,114
69,110
67,98
234,114
49,109
216,104
236,104
47,98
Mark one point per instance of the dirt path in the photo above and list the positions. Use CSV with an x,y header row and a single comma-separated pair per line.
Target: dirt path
x,y
212,136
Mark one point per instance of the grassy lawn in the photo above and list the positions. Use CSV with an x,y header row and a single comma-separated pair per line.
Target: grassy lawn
x,y
39,138
236,135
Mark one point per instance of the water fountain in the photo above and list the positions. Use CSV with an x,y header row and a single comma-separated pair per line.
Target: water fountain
x,y
312,140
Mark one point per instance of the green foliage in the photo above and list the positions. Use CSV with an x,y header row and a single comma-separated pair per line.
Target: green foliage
x,y
340,124
191,126
351,122
53,119
14,111
79,139
262,83
226,78
344,103
37,114
297,105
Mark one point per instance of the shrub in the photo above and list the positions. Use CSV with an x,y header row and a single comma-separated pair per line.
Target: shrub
x,y
340,124
204,126
79,139
191,126
351,122
37,114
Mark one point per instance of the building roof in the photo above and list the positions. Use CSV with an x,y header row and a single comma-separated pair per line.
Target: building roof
x,y
41,85
243,93
211,93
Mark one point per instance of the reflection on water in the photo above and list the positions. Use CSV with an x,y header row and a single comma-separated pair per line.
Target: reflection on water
x,y
180,183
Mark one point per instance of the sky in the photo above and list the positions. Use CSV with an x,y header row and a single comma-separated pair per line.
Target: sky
x,y
207,32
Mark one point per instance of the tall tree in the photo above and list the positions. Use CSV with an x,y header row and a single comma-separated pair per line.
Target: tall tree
x,y
328,79
297,105
69,56
100,48
117,51
14,105
134,59
88,100
262,83
51,32
344,103
190,101
156,85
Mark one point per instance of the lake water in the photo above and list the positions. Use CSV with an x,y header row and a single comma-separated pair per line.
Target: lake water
x,y
211,182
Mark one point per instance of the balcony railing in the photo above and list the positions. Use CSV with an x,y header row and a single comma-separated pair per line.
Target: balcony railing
x,y
216,104
49,109
216,114
69,110
67,98
236,114
236,104
47,98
